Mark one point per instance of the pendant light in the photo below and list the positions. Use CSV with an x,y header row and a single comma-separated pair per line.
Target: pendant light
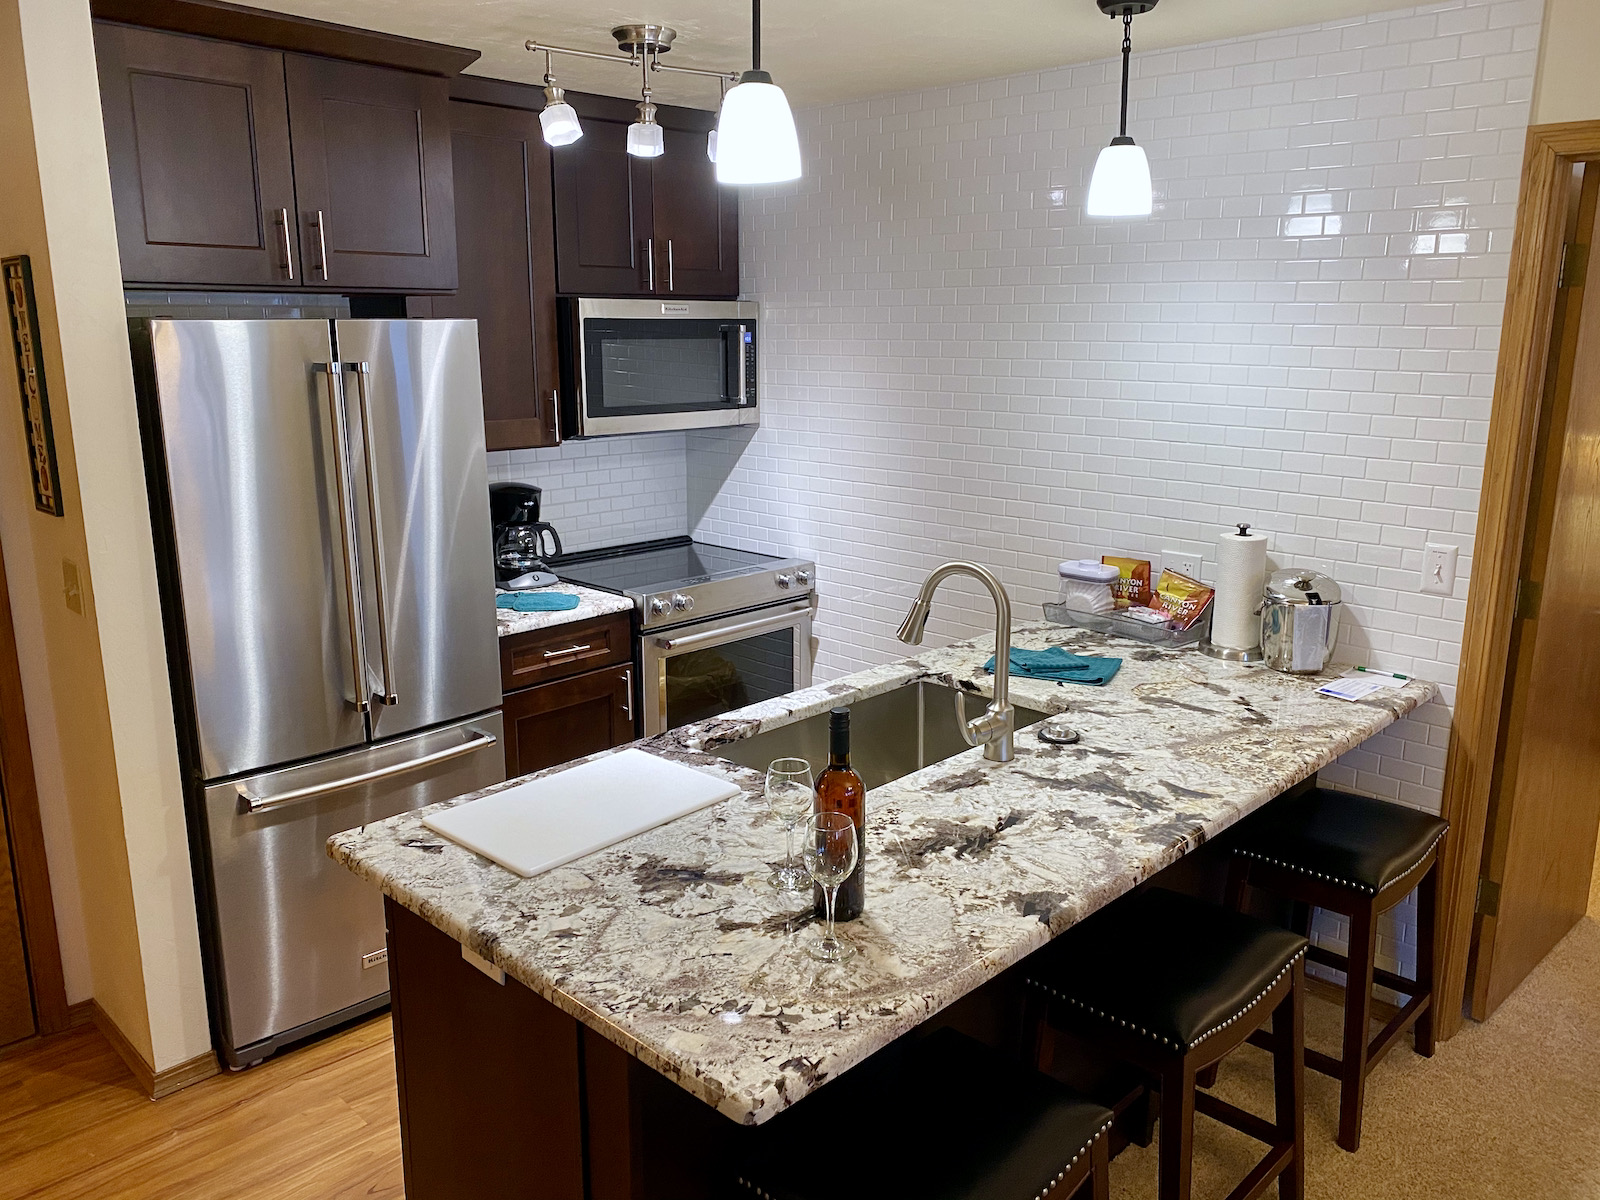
x,y
645,139
558,120
1120,186
756,139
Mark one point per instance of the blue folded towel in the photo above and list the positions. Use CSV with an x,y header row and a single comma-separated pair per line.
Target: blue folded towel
x,y
537,601
1061,665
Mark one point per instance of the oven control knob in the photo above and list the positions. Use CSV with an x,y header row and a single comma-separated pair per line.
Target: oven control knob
x,y
784,581
802,577
681,602
658,606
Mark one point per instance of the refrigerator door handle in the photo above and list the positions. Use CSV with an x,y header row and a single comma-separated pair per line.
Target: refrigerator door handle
x,y
255,802
347,531
363,374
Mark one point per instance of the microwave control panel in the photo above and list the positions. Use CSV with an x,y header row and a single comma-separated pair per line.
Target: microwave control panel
x,y
749,352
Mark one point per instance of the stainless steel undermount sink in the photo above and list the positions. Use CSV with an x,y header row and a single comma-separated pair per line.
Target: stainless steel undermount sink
x,y
891,734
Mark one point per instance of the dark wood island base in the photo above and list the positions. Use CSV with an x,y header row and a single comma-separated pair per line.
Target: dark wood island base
x,y
504,1095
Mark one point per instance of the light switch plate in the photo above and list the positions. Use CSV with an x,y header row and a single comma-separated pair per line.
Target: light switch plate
x,y
71,586
1439,568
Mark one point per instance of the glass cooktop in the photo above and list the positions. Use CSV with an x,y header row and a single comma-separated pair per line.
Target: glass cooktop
x,y
656,566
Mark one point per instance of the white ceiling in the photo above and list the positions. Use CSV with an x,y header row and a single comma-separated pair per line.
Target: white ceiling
x,y
819,50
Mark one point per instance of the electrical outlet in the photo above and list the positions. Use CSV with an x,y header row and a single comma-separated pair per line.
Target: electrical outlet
x,y
1183,564
1439,568
71,586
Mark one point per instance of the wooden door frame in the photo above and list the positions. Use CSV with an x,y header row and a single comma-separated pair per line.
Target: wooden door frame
x,y
32,870
1526,330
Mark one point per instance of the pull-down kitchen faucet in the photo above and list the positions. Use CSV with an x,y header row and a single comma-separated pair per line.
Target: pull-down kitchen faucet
x,y
994,728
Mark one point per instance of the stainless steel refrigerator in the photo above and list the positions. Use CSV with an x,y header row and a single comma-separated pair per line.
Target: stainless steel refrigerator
x,y
321,509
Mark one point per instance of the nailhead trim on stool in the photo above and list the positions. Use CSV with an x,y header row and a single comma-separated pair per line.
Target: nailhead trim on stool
x,y
1156,1037
1334,879
1072,1162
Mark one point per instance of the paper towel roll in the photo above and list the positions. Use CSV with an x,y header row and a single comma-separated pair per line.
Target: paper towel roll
x,y
1241,570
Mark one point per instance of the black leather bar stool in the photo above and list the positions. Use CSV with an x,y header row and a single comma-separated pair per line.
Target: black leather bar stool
x,y
1171,984
1360,857
945,1118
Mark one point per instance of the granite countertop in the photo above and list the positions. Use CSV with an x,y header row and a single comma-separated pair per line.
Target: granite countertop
x,y
591,603
671,945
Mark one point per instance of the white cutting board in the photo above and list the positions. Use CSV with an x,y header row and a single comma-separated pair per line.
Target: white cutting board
x,y
551,821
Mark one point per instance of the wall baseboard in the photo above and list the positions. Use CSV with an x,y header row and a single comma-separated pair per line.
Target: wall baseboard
x,y
156,1084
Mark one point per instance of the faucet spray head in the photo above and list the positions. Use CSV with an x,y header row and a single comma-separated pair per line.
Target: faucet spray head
x,y
911,628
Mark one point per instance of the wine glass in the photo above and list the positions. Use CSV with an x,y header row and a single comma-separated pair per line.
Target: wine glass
x,y
789,796
829,852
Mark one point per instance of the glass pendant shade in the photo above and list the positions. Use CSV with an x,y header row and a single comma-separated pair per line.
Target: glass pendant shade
x,y
645,140
1120,186
756,138
560,123
711,145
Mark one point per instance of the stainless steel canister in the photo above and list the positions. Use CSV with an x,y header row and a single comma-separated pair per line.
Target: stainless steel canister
x,y
1299,620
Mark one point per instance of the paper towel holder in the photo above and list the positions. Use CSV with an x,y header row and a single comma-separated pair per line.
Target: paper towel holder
x,y
1228,653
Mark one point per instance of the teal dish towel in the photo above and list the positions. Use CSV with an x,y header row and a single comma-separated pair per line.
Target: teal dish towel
x,y
537,601
1061,665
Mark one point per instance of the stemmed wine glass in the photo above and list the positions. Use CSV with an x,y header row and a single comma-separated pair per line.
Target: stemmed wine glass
x,y
789,795
829,852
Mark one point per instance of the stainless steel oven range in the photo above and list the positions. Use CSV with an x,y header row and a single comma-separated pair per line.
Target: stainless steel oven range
x,y
717,628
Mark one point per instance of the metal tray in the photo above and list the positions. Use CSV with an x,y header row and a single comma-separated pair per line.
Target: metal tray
x,y
1158,635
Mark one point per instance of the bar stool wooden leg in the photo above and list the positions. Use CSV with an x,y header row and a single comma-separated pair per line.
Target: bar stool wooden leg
x,y
1289,1083
1357,1023
1100,1166
1427,907
1175,1154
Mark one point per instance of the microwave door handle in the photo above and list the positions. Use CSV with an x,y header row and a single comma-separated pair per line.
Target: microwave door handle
x,y
363,374
347,531
739,352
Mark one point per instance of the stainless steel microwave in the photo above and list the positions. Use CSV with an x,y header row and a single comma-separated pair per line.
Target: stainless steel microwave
x,y
647,366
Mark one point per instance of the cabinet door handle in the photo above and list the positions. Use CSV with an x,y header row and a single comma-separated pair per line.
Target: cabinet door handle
x,y
322,242
627,694
288,252
671,286
570,650
650,259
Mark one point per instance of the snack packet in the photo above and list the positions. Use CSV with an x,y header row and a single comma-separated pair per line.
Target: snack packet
x,y
1181,598
1131,587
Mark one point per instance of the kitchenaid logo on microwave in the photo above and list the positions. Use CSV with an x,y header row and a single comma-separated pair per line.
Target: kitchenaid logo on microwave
x,y
674,310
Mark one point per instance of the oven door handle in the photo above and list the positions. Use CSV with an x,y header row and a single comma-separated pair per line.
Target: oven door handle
x,y
724,633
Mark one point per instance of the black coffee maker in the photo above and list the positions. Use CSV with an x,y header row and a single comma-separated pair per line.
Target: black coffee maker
x,y
520,546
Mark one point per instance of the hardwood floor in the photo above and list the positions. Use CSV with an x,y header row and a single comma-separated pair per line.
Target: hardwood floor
x,y
318,1124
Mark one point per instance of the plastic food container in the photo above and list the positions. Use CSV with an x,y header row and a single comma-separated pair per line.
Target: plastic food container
x,y
1086,585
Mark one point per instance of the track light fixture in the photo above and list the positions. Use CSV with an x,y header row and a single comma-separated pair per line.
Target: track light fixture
x,y
1120,186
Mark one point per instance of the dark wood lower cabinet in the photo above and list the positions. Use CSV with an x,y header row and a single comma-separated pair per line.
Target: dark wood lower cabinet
x,y
504,1095
557,722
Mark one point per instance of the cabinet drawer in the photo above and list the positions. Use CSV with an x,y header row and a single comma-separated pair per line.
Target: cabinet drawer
x,y
546,654
569,718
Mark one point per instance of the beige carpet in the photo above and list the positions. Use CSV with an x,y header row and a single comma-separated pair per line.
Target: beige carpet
x,y
1506,1109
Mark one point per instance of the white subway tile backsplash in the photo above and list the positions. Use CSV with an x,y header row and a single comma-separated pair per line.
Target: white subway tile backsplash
x,y
957,363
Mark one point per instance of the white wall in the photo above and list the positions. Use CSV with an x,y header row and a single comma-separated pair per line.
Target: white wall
x,y
95,681
1566,89
605,491
959,364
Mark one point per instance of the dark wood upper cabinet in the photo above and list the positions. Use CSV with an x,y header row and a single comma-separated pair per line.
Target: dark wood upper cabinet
x,y
372,175
505,259
630,226
696,219
197,133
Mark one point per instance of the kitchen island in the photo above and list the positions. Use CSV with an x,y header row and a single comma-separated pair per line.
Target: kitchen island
x,y
666,958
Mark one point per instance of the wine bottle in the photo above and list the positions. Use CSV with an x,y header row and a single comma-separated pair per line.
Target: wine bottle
x,y
840,789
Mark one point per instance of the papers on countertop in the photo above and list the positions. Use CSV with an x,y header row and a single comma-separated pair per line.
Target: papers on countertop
x,y
1358,685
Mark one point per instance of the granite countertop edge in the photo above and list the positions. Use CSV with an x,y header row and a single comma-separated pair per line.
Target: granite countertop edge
x,y
492,912
591,603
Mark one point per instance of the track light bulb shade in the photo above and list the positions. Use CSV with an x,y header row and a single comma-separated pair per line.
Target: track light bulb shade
x,y
756,138
558,120
1120,186
711,145
644,140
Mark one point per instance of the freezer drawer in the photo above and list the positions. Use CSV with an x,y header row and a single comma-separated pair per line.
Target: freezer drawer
x,y
298,938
